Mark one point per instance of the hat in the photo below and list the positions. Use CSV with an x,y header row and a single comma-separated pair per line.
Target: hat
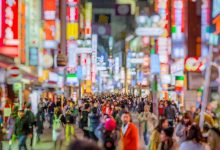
x,y
169,131
110,124
21,110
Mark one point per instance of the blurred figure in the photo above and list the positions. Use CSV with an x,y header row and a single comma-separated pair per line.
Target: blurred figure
x,y
169,113
58,127
194,140
129,133
214,138
69,128
167,141
141,106
155,136
21,129
83,145
93,122
109,134
40,118
84,119
148,122
193,111
183,127
31,121
161,108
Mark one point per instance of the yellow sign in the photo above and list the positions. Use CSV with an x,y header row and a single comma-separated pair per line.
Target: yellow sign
x,y
72,31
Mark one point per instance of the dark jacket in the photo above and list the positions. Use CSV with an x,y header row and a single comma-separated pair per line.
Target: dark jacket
x,y
169,112
40,122
94,120
21,126
84,119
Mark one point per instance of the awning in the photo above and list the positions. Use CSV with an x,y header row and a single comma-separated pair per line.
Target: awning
x,y
4,65
9,51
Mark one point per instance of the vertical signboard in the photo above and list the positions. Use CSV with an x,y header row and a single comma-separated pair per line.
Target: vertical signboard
x,y
9,27
33,23
49,16
94,56
23,32
88,19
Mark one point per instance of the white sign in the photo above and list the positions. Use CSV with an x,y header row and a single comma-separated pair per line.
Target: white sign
x,y
83,50
149,31
47,61
177,67
53,77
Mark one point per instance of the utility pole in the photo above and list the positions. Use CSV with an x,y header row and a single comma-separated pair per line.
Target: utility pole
x,y
206,86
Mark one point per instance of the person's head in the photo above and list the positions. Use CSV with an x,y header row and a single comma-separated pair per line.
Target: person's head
x,y
163,124
193,109
166,134
187,119
209,107
94,110
20,113
194,134
83,145
146,108
126,117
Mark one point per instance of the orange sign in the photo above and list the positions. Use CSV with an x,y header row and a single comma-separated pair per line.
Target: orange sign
x,y
216,21
50,29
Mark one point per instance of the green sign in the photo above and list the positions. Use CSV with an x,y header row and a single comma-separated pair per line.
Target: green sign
x,y
71,75
17,86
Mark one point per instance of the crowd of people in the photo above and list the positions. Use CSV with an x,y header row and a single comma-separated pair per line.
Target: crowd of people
x,y
107,120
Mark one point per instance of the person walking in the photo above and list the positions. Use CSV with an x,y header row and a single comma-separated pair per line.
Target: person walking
x,y
183,127
155,136
93,122
40,118
148,122
69,128
194,140
58,127
167,141
169,113
31,122
21,129
128,133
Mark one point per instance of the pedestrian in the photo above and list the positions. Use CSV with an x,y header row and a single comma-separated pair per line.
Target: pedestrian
x,y
214,138
155,136
58,127
40,118
110,134
161,109
167,141
69,128
31,122
11,124
141,106
51,107
84,120
93,122
128,133
169,113
148,122
21,129
183,127
194,140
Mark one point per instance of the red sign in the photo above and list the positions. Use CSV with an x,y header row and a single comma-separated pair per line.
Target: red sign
x,y
194,64
49,9
50,29
216,21
72,1
72,14
9,27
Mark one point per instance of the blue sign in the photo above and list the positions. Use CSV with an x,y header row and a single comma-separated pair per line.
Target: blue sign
x,y
79,72
33,56
155,64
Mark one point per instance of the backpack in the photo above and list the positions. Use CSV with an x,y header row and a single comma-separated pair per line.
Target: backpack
x,y
57,123
109,142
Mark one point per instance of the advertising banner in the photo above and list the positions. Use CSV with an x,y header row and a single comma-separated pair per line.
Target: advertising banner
x,y
9,27
33,58
72,31
33,23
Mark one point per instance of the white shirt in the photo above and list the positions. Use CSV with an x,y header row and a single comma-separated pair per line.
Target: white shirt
x,y
124,128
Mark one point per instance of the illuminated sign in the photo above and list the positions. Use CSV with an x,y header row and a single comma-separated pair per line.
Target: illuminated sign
x,y
194,64
149,31
103,18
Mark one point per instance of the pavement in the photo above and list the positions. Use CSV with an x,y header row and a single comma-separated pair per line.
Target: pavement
x,y
46,142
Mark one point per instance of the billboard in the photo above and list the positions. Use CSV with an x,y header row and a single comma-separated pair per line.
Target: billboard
x,y
9,27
